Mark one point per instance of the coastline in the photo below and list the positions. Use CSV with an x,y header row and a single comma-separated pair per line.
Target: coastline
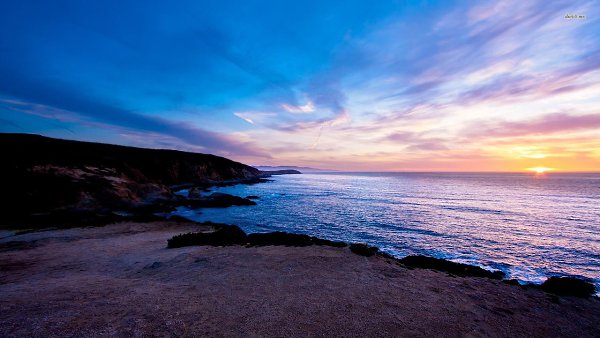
x,y
101,253
505,236
127,282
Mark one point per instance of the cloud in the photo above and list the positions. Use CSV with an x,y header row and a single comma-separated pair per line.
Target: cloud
x,y
544,125
417,141
309,107
245,117
334,85
447,66
297,126
61,102
224,46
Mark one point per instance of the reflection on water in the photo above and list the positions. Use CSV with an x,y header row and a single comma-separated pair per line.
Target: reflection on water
x,y
528,225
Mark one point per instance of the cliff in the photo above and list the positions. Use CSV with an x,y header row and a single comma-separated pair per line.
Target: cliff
x,y
41,174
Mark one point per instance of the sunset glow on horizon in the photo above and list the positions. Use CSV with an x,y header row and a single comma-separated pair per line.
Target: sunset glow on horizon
x,y
360,86
540,170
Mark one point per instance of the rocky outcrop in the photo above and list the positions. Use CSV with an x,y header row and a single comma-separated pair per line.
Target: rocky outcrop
x,y
41,175
458,269
569,286
281,172
214,200
363,249
289,239
225,235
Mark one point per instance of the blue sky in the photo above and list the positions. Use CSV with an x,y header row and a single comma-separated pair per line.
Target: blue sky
x,y
362,85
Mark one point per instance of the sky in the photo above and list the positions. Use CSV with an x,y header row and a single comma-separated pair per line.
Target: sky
x,y
348,85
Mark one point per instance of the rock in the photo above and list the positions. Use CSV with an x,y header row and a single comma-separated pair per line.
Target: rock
x,y
458,269
233,235
223,236
196,192
363,249
246,181
288,239
219,195
569,286
337,244
268,173
252,197
216,200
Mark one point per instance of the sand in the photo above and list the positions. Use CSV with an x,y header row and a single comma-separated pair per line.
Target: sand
x,y
121,280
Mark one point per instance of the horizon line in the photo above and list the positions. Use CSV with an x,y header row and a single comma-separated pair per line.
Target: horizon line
x,y
525,170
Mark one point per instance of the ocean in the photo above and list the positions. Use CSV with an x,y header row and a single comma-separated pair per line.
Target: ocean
x,y
529,226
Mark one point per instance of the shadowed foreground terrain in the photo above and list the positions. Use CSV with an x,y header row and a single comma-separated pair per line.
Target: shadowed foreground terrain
x,y
122,280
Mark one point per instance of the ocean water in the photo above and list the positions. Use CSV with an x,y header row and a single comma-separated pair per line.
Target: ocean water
x,y
529,226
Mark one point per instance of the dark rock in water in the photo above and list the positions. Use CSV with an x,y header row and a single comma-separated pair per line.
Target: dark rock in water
x,y
196,192
246,181
223,236
219,195
569,286
287,239
280,172
226,200
215,200
252,197
458,269
363,249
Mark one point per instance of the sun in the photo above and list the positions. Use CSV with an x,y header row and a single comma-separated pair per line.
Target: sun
x,y
540,170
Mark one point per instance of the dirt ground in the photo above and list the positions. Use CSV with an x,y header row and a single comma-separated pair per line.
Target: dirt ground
x,y
121,281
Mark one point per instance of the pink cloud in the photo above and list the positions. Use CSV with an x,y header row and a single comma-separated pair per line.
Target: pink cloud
x,y
548,124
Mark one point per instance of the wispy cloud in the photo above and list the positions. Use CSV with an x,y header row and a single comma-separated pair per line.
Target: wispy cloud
x,y
104,116
544,125
385,85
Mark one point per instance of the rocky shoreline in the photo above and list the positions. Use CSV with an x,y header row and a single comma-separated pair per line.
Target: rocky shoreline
x,y
226,235
117,201
122,279
60,184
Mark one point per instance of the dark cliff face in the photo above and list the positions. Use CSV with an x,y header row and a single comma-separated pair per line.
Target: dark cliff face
x,y
166,166
40,173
